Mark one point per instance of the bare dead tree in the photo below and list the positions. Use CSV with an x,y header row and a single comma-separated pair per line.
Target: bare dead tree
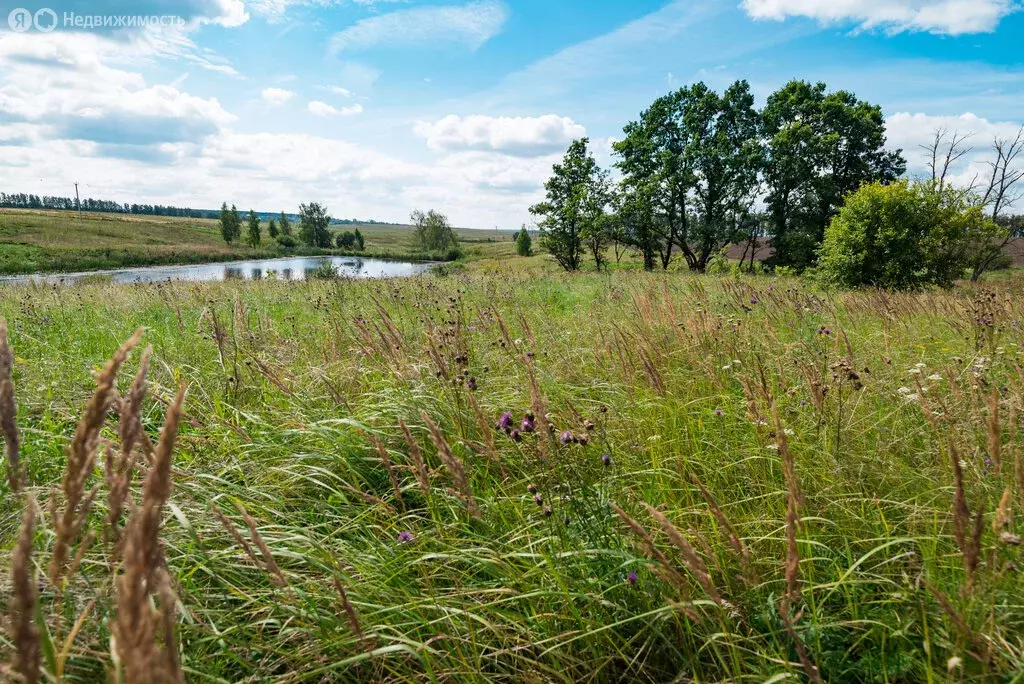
x,y
944,151
1001,193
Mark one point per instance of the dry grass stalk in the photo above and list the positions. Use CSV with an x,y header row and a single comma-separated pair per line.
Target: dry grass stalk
x,y
485,429
129,429
385,459
981,646
727,531
9,413
135,626
350,611
1003,521
809,668
420,466
691,558
276,576
454,466
82,458
671,574
961,514
239,539
994,433
24,596
793,502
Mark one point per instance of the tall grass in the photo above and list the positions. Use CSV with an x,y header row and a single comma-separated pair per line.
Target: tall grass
x,y
697,479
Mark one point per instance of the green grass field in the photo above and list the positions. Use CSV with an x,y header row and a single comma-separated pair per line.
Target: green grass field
x,y
50,241
813,486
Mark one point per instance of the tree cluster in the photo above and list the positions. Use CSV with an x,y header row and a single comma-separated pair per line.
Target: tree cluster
x,y
433,233
695,165
230,223
351,241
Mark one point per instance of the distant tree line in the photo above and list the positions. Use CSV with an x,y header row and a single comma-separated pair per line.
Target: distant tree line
x,y
701,170
26,201
29,201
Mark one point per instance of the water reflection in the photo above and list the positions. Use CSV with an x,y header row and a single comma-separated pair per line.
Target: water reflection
x,y
294,268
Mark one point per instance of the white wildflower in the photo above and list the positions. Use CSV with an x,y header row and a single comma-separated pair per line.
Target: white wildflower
x,y
920,365
935,378
789,431
913,397
914,371
905,391
773,447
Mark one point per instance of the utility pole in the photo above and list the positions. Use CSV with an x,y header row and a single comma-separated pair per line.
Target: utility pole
x,y
78,202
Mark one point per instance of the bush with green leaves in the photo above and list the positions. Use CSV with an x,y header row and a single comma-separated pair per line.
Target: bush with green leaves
x,y
313,225
902,236
287,241
433,233
524,244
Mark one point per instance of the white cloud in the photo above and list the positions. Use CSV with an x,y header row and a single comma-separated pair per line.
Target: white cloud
x,y
520,136
276,96
323,109
950,17
470,25
338,90
62,83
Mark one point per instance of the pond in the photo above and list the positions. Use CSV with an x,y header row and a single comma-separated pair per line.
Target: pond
x,y
288,268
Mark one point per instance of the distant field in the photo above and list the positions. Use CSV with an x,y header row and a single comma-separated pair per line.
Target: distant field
x,y
61,241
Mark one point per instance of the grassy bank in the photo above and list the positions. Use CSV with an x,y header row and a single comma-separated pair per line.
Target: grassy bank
x,y
53,241
862,535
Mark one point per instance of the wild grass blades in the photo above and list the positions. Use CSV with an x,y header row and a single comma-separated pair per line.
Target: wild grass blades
x,y
143,575
995,438
419,465
385,460
350,611
456,469
271,566
24,598
556,590
739,548
119,472
693,562
9,413
647,542
793,502
81,457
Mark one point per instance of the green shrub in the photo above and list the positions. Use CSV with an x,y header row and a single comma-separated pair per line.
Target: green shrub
x,y
524,244
325,271
901,236
286,241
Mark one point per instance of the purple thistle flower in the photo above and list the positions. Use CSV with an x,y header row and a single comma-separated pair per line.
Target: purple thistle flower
x,y
719,412
404,536
547,512
754,300
527,425
505,424
632,578
471,384
538,499
567,438
516,437
606,459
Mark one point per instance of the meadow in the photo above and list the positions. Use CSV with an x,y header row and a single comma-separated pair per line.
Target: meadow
x,y
510,473
51,241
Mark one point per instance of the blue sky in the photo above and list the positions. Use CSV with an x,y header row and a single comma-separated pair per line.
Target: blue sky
x,y
378,107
